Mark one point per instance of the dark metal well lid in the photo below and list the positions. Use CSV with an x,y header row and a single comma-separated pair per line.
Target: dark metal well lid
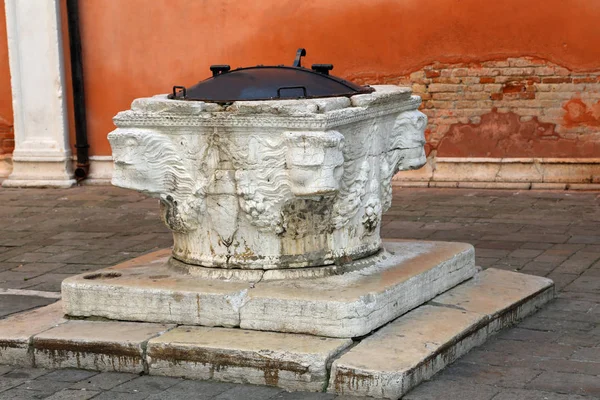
x,y
269,83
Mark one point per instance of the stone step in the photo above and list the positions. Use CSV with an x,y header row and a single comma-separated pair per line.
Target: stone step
x,y
288,361
417,345
386,364
96,345
17,331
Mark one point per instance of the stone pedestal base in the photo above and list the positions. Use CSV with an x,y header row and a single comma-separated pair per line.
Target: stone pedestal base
x,y
386,364
374,291
39,174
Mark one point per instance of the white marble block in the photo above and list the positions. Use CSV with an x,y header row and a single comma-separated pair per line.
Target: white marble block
x,y
352,301
270,184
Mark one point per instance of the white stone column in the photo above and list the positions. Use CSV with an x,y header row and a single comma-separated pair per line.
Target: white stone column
x,y
42,156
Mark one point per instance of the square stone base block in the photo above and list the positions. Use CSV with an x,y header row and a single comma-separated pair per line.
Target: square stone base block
x,y
377,290
385,364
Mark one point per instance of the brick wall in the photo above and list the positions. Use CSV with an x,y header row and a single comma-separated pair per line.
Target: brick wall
x,y
517,107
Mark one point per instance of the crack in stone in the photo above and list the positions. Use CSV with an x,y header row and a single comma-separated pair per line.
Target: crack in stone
x,y
144,347
436,304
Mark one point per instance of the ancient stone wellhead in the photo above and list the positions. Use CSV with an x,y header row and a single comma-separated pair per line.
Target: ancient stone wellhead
x,y
276,184
274,181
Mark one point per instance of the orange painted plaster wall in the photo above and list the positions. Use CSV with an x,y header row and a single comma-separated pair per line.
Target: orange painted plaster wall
x,y
6,113
139,48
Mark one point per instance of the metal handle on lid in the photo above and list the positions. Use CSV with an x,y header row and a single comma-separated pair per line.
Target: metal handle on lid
x,y
322,68
299,54
291,87
175,89
219,69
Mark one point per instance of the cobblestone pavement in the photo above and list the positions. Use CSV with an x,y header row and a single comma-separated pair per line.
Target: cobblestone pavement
x,y
47,235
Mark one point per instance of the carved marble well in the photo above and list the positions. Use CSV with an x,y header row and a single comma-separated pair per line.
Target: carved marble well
x,y
275,208
270,184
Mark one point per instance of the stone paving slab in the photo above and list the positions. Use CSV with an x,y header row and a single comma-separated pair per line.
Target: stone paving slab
x,y
96,345
288,361
102,381
419,344
11,303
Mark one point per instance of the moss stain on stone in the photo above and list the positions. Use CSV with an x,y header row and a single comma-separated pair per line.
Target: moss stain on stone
x,y
218,361
117,357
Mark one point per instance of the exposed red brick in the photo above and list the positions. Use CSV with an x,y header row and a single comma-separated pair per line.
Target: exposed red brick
x,y
430,73
513,87
512,96
505,135
445,113
527,95
526,86
447,79
460,72
426,104
588,79
545,71
557,80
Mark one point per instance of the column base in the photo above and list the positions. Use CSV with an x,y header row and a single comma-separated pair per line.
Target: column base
x,y
40,174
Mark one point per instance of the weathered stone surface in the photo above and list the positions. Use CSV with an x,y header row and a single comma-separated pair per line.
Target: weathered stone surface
x,y
293,362
95,345
358,302
270,184
104,381
154,293
504,296
16,332
422,342
373,292
14,303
